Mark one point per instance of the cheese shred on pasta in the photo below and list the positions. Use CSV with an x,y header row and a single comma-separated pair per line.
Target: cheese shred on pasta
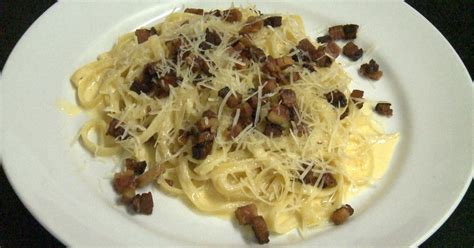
x,y
251,167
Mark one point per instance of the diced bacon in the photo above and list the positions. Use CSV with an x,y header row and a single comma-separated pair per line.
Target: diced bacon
x,y
328,180
288,98
123,180
194,11
356,97
336,98
253,25
143,203
324,61
383,108
350,31
333,49
352,51
260,229
114,129
138,167
274,21
342,214
232,15
269,87
336,32
324,39
143,35
245,213
280,115
371,70
201,150
273,130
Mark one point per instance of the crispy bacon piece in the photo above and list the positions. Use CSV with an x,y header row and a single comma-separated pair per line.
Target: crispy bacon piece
x,y
343,32
309,67
260,229
197,64
241,44
144,83
310,178
280,115
205,136
383,108
233,132
273,130
138,167
271,67
336,98
151,174
269,86
234,99
143,34
245,213
257,54
274,21
344,114
324,39
336,32
194,11
232,15
164,84
328,180
350,31
324,61
356,95
123,180
288,98
114,129
246,110
284,62
173,47
209,114
208,122
371,70
143,203
253,101
212,38
305,45
352,51
244,63
201,150
252,25
342,214
314,53
223,92
333,49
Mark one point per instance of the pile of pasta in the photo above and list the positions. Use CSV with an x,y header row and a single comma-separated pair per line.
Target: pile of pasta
x,y
297,172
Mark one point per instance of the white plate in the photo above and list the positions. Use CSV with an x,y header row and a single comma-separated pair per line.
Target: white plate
x,y
70,193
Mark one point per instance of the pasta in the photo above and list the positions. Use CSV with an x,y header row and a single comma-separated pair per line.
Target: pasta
x,y
248,167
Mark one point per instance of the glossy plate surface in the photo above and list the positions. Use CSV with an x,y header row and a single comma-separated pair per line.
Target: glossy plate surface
x,y
69,192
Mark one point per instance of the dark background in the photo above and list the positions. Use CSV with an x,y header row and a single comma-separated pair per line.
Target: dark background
x,y
19,229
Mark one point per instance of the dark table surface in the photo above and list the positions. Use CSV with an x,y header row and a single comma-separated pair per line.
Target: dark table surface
x,y
19,229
